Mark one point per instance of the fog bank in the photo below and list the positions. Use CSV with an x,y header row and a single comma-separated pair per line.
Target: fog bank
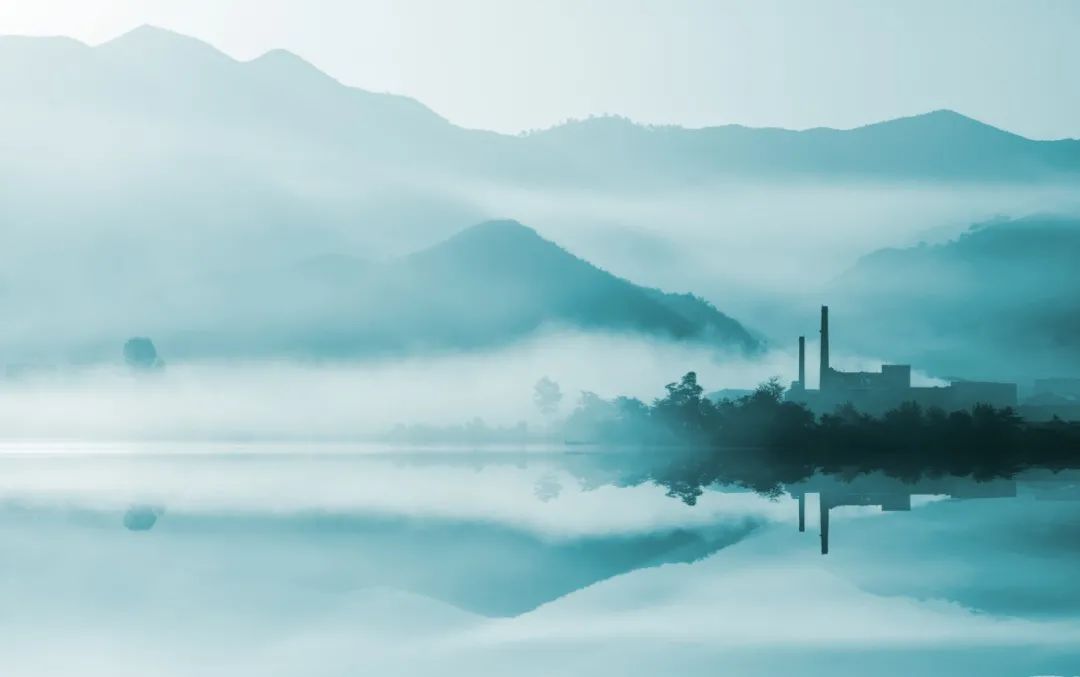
x,y
269,400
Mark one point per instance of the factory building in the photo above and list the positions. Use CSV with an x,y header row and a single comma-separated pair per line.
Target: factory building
x,y
877,392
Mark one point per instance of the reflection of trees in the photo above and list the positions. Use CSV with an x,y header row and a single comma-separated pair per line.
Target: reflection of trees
x,y
763,443
547,395
547,488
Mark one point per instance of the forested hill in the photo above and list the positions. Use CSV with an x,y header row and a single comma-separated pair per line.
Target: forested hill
x,y
1000,301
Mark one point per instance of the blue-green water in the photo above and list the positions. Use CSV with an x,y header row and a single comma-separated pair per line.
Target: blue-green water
x,y
232,560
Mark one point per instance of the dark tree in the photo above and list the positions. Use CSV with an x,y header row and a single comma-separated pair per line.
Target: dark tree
x,y
763,442
140,353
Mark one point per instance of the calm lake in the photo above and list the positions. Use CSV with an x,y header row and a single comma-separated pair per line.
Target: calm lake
x,y
234,559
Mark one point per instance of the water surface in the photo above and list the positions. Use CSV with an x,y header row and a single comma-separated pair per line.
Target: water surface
x,y
291,560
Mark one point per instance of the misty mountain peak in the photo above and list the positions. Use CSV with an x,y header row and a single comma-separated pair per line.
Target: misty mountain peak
x,y
506,277
281,63
941,122
146,34
946,116
146,40
280,56
497,238
504,245
501,228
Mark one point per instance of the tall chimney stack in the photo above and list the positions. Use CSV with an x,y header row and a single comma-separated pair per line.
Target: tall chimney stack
x,y
802,362
823,377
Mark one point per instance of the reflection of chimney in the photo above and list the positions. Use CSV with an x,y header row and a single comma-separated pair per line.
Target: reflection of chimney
x,y
823,521
802,362
802,511
824,347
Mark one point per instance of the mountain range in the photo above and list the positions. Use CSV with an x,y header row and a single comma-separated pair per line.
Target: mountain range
x,y
139,90
153,184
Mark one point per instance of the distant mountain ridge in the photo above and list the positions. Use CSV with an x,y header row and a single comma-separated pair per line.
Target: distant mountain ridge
x,y
155,182
183,80
156,141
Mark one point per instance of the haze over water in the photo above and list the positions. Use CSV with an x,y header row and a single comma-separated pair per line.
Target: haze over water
x,y
491,337
485,561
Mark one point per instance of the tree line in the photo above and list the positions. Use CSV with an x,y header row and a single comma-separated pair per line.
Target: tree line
x,y
763,441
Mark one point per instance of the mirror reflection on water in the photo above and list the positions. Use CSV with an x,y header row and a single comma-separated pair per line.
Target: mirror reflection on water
x,y
255,559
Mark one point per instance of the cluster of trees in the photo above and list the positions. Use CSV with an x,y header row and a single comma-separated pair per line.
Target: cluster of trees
x,y
763,442
685,417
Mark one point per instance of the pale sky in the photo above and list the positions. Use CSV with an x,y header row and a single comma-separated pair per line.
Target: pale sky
x,y
511,65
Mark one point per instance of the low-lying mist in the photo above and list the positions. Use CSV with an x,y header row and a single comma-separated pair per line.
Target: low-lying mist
x,y
743,244
361,400
763,253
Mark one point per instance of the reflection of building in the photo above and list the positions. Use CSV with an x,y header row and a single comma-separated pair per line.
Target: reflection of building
x,y
827,500
877,392
891,494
